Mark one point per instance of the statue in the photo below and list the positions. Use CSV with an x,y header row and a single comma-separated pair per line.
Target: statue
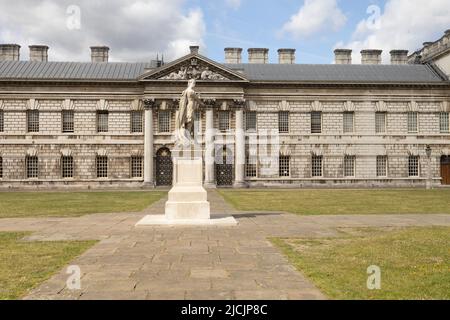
x,y
184,122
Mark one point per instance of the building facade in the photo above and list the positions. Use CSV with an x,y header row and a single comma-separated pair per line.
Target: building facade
x,y
104,124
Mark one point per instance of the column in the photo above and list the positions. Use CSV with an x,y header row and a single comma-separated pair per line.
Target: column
x,y
239,163
148,142
209,149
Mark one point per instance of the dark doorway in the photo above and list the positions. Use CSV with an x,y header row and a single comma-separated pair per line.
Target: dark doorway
x,y
224,167
164,167
445,170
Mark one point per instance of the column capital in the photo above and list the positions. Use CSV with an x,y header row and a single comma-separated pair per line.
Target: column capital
x,y
209,103
239,103
149,103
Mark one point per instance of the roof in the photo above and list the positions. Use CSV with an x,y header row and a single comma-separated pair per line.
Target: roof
x,y
121,71
339,73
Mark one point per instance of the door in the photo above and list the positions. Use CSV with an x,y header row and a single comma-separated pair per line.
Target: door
x,y
224,168
445,170
164,167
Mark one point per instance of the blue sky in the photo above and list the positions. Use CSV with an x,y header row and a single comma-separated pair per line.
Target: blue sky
x,y
137,30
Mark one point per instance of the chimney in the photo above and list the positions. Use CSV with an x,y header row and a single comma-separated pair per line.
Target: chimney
x,y
286,56
9,52
233,55
194,49
39,53
371,56
399,56
99,54
258,55
343,56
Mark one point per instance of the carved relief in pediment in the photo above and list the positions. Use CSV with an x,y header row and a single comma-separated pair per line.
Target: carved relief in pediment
x,y
193,69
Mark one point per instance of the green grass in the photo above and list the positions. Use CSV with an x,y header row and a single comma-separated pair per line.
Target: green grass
x,y
414,262
325,202
24,265
73,204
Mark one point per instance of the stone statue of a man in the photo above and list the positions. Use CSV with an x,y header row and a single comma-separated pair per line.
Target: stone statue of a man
x,y
184,123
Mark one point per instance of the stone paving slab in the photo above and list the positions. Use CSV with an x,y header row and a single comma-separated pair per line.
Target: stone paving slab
x,y
191,262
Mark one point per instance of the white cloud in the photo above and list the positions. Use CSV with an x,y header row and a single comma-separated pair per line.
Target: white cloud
x,y
235,4
315,16
404,24
135,30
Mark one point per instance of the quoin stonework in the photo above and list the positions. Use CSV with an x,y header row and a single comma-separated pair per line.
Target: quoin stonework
x,y
107,124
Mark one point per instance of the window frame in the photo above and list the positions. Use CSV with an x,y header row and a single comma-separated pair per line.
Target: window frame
x,y
314,168
64,113
247,115
1,167
2,121
165,115
416,162
139,168
284,122
320,118
348,159
444,122
283,163
221,119
384,114
32,160
64,170
384,160
101,129
33,124
136,121
97,168
345,128
413,116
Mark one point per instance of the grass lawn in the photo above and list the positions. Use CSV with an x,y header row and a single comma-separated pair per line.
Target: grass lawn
x,y
414,262
321,202
73,204
24,265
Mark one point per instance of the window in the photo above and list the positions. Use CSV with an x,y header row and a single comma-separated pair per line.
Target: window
x,y
2,128
136,122
250,120
413,166
102,121
349,166
381,166
283,122
444,122
101,164
1,167
136,167
316,122
349,122
32,167
164,121
67,121
316,166
250,167
283,164
33,120
224,121
380,122
412,122
67,167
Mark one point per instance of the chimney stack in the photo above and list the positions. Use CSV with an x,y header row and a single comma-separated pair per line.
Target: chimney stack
x,y
99,54
9,52
194,49
343,56
258,55
38,53
371,56
399,56
286,56
233,55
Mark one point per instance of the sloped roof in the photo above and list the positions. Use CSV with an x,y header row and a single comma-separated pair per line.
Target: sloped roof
x,y
121,71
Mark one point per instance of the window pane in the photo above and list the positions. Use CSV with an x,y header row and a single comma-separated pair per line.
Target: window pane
x,y
380,122
348,122
412,122
284,168
250,120
102,121
413,166
136,167
33,121
250,166
136,122
316,166
164,121
67,121
2,121
224,121
444,122
349,166
381,166
1,167
316,122
67,167
32,167
102,166
283,122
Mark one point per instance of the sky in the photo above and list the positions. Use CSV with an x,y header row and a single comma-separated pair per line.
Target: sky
x,y
138,30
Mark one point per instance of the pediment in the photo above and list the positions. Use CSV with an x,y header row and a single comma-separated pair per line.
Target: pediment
x,y
193,66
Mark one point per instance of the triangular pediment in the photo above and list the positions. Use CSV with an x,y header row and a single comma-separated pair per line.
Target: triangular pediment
x,y
193,66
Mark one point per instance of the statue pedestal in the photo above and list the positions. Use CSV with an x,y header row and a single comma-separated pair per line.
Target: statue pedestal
x,y
187,202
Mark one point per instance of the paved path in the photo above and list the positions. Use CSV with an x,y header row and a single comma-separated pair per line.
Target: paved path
x,y
191,262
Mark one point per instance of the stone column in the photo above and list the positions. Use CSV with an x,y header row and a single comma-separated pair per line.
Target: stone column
x,y
148,142
239,163
209,150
